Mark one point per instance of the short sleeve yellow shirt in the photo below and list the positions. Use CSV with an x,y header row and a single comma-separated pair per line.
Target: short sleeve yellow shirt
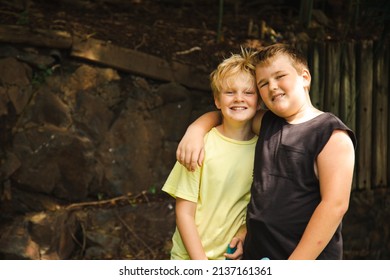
x,y
221,189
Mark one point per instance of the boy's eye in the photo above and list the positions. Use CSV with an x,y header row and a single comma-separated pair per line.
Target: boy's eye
x,y
262,85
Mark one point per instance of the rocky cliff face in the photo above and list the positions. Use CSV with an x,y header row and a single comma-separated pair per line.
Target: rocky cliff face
x,y
77,133
88,132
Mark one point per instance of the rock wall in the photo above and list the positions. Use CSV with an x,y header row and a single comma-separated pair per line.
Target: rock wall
x,y
74,134
86,131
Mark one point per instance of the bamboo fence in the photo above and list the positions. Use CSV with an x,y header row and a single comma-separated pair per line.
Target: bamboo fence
x,y
351,80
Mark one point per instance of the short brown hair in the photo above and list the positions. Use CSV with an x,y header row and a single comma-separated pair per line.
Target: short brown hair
x,y
264,56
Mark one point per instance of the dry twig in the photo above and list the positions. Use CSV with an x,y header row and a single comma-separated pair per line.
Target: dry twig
x,y
134,234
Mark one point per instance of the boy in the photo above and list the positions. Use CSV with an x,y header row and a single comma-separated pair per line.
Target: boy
x,y
303,166
211,202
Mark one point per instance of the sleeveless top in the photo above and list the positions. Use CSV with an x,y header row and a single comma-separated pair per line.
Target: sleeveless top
x,y
285,190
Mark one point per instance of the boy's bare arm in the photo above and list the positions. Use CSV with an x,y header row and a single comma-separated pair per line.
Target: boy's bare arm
x,y
185,221
190,151
335,170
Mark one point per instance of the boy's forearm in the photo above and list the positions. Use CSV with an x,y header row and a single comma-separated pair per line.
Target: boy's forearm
x,y
241,233
318,233
206,122
185,220
190,237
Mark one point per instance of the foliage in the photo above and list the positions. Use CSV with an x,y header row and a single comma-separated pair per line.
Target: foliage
x,y
39,77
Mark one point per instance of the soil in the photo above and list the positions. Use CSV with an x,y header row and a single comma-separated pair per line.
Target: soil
x,y
186,31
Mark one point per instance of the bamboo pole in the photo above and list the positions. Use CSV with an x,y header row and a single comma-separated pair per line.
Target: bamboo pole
x,y
380,119
364,129
332,79
348,97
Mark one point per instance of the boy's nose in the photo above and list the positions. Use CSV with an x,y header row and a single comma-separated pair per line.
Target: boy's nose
x,y
272,85
239,96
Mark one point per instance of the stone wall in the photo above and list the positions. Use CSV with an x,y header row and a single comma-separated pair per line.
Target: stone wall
x,y
89,136
88,131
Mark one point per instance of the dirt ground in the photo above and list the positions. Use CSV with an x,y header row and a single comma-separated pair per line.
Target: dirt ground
x,y
186,31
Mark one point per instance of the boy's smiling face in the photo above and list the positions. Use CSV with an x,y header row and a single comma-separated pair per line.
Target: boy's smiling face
x,y
284,91
238,100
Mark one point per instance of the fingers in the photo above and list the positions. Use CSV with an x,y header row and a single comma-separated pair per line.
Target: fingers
x,y
180,155
195,159
237,255
191,158
237,244
191,161
186,158
192,165
201,157
234,242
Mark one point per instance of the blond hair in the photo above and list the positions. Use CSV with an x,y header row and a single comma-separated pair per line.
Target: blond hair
x,y
234,65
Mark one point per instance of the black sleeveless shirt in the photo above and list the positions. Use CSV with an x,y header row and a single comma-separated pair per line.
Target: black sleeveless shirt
x,y
285,190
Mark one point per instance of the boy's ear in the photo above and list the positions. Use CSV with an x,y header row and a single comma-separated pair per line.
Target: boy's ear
x,y
306,77
259,104
217,103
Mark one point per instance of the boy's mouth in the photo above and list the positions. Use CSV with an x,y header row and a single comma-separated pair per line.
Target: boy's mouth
x,y
276,96
238,108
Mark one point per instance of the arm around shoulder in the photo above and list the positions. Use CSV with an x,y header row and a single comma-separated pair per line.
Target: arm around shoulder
x,y
190,151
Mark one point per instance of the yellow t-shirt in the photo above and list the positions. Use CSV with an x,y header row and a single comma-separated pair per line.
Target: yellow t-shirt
x,y
221,189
